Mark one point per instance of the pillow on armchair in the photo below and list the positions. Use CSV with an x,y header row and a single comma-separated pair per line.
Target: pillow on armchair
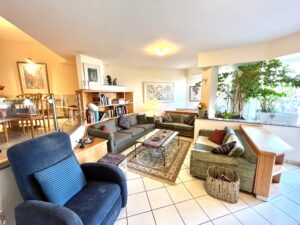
x,y
217,136
61,181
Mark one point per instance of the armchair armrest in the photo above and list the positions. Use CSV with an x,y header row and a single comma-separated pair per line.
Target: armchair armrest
x,y
108,173
46,213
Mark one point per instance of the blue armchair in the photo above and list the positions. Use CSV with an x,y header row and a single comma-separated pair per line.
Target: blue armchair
x,y
98,202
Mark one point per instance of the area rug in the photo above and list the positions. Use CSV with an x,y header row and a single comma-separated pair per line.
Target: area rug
x,y
150,162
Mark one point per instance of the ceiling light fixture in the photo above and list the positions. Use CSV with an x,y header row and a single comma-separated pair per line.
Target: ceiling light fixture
x,y
162,48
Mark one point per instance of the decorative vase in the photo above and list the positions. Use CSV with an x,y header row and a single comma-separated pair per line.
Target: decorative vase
x,y
201,112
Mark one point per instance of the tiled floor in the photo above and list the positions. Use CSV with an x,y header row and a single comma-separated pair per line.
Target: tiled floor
x,y
151,202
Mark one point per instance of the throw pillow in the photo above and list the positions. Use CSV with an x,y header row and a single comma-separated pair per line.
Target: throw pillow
x,y
217,136
124,122
61,181
238,150
141,119
189,120
224,149
229,131
105,128
167,118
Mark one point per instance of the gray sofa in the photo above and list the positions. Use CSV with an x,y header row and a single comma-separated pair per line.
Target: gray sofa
x,y
202,158
178,124
118,138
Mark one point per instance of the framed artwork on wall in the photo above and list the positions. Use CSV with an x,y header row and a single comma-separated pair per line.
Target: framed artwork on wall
x,y
195,94
33,77
92,76
158,92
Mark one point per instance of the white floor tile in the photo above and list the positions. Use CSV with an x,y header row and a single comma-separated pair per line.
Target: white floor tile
x,y
131,175
250,217
151,184
159,198
212,207
142,219
229,219
237,206
184,175
135,186
294,196
208,223
191,213
122,214
288,206
178,181
273,214
249,199
196,187
179,193
167,216
137,203
121,222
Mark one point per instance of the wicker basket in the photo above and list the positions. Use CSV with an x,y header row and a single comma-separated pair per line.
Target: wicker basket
x,y
221,189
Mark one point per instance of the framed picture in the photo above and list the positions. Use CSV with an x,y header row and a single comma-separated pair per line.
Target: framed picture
x,y
33,77
195,94
158,92
92,76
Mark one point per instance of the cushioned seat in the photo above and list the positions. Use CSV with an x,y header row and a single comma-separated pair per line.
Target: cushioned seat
x,y
121,137
132,130
178,126
146,127
89,210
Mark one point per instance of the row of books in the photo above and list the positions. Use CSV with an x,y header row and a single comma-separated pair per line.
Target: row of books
x,y
101,99
93,117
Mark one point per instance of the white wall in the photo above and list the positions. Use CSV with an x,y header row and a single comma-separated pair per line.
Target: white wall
x,y
133,78
289,134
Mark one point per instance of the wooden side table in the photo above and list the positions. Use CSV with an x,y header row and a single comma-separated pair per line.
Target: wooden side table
x,y
91,152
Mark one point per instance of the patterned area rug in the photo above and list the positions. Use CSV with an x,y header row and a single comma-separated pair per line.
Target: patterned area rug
x,y
150,162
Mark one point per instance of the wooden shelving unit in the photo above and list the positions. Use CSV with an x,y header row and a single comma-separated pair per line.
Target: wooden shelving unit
x,y
86,96
270,151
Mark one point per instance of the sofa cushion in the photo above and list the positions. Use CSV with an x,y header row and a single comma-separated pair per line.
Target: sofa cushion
x,y
119,137
229,131
111,125
105,128
177,126
167,118
133,131
124,122
133,119
146,126
176,118
141,119
61,181
94,202
217,136
189,120
224,149
203,140
238,150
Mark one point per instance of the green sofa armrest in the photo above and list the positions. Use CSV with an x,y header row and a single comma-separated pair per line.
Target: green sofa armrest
x,y
205,133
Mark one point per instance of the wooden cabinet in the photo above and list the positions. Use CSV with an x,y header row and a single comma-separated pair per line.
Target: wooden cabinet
x,y
91,152
88,96
270,151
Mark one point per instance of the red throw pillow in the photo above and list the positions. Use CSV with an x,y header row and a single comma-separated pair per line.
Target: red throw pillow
x,y
105,129
217,136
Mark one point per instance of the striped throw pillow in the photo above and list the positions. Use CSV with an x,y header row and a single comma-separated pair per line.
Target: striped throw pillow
x,y
61,181
224,149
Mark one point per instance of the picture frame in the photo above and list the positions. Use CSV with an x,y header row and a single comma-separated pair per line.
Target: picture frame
x,y
194,94
158,92
33,77
92,76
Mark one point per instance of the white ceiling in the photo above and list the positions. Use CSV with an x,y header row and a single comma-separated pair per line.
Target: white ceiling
x,y
117,31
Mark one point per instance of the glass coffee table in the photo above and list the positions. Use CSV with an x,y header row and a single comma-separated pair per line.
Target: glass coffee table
x,y
159,141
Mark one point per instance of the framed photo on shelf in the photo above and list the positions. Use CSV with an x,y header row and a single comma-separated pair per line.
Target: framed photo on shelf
x,y
158,92
33,77
92,76
195,94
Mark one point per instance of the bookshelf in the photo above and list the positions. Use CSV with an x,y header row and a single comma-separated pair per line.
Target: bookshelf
x,y
112,103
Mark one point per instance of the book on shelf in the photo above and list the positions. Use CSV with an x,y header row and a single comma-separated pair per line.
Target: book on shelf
x,y
93,117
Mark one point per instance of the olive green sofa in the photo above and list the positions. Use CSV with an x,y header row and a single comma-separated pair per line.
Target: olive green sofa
x,y
177,124
202,158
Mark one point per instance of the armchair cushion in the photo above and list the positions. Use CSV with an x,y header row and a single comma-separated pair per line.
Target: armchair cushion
x,y
106,173
61,181
95,201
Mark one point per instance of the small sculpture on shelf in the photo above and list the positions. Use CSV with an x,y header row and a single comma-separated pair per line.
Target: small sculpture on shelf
x,y
109,82
115,81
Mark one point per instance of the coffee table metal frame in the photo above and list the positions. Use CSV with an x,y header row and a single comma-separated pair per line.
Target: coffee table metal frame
x,y
162,147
